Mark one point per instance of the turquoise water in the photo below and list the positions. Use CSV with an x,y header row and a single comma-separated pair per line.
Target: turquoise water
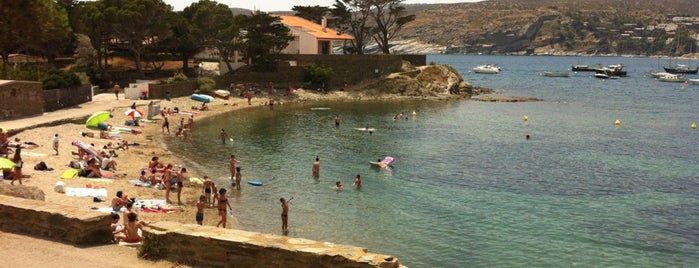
x,y
467,189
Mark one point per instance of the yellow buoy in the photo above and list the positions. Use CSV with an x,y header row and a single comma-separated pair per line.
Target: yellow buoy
x,y
525,118
617,122
694,125
414,113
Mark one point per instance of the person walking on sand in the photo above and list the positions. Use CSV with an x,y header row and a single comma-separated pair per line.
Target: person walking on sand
x,y
222,204
180,182
208,186
200,210
285,214
166,125
223,136
55,143
116,89
316,167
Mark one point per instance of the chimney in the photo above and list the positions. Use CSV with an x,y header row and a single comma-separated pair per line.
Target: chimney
x,y
324,24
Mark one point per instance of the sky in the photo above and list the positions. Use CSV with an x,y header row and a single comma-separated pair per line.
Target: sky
x,y
286,5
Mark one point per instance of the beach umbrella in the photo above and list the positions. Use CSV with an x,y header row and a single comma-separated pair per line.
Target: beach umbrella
x,y
133,113
97,118
6,163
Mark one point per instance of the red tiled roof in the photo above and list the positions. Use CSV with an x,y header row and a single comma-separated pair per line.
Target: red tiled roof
x,y
313,28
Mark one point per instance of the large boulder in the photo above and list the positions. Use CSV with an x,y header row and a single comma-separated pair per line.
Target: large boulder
x,y
423,81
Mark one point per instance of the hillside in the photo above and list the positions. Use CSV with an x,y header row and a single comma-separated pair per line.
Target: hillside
x,y
550,26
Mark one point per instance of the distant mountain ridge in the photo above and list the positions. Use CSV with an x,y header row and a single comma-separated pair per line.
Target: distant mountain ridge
x,y
545,26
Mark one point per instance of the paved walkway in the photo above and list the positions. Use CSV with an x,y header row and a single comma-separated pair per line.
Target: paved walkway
x,y
100,102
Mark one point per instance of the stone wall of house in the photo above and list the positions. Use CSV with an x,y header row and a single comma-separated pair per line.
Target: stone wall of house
x,y
195,245
208,246
20,98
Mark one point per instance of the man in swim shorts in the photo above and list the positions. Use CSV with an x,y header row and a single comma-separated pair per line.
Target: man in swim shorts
x,y
200,210
316,167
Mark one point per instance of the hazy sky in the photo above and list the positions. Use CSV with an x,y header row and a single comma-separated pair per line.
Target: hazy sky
x,y
284,5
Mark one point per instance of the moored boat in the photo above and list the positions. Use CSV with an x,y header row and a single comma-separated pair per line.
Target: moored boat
x,y
681,69
585,68
658,74
556,74
693,81
487,69
673,78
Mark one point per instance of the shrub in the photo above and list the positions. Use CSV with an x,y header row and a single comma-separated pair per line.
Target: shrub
x,y
177,78
317,75
206,85
60,79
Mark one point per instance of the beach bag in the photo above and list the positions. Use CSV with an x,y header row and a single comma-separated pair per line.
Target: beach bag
x,y
41,166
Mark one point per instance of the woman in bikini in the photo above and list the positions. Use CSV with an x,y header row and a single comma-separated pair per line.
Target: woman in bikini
x,y
167,180
222,204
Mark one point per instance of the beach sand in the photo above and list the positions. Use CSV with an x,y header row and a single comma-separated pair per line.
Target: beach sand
x,y
130,162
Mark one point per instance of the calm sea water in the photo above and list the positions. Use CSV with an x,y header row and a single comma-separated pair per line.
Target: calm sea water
x,y
467,188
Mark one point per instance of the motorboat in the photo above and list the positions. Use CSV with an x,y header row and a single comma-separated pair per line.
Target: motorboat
x,y
487,69
585,68
605,76
556,74
658,74
693,81
613,70
673,78
681,69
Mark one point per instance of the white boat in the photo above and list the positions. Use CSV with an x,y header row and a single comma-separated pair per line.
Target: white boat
x,y
673,78
556,74
606,76
658,74
486,69
693,81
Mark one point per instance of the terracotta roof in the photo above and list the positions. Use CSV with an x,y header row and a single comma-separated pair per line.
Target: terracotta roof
x,y
313,28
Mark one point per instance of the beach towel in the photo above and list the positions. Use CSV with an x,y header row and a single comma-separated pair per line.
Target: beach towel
x,y
139,183
81,192
70,174
155,206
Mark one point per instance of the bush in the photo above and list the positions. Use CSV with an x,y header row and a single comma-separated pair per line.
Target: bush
x,y
206,85
60,79
177,78
317,75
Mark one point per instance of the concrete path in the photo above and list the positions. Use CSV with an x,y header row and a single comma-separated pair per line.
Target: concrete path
x,y
100,102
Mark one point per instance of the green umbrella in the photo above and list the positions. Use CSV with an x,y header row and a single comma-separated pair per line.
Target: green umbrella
x,y
6,163
97,118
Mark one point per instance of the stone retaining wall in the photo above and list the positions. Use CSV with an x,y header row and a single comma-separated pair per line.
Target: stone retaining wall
x,y
55,222
208,246
195,245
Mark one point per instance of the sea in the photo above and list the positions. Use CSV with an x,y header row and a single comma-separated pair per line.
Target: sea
x,y
608,176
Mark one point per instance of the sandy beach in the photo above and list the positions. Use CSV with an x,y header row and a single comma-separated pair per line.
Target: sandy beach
x,y
129,165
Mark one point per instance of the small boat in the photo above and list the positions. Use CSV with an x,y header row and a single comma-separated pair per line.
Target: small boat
x,y
693,81
681,69
605,76
585,68
673,78
487,69
658,74
222,93
613,70
201,97
556,74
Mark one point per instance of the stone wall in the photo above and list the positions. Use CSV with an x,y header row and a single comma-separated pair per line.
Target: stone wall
x,y
208,246
55,99
20,98
179,89
55,222
195,245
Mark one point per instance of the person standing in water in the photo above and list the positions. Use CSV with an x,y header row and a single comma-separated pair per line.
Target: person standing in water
x,y
285,214
231,164
316,167
223,136
337,120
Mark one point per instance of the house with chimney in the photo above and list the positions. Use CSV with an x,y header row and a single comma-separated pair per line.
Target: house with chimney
x,y
311,38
